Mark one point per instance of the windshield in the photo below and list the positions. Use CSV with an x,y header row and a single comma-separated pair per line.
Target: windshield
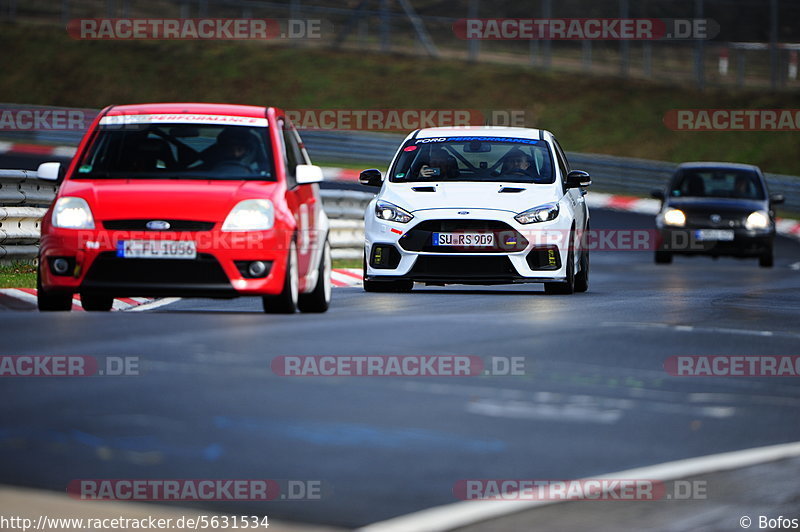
x,y
178,151
474,159
718,183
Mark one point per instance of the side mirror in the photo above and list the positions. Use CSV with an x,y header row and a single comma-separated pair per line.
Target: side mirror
x,y
777,199
578,178
371,178
49,171
307,174
657,194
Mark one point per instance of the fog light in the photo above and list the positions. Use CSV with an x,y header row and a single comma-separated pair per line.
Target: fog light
x,y
60,266
257,268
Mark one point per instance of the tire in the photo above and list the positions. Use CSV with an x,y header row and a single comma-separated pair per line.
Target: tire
x,y
319,299
663,257
582,278
766,260
401,285
97,303
286,301
47,302
568,286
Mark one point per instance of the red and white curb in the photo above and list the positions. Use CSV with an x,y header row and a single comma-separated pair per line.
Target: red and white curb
x,y
346,277
37,149
28,295
340,277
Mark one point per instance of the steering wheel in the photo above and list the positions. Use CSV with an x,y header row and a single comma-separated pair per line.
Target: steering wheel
x,y
233,165
520,171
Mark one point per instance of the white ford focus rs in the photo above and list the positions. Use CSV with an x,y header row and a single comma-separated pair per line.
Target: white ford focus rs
x,y
477,206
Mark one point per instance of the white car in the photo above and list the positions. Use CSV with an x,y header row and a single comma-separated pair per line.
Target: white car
x,y
481,206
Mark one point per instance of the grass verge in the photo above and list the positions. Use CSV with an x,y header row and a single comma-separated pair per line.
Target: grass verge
x,y
18,275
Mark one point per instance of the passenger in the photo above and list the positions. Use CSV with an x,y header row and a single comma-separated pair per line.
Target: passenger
x,y
441,164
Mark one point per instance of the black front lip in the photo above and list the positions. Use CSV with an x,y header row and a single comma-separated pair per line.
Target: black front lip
x,y
744,244
122,289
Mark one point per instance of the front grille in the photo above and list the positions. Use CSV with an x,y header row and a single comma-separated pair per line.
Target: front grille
x,y
704,221
468,267
420,237
205,269
141,225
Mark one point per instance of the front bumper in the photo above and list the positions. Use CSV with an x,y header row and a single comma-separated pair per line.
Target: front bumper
x,y
533,253
745,243
95,267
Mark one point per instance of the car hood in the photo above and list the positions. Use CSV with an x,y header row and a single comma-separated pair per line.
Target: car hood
x,y
511,197
717,205
206,200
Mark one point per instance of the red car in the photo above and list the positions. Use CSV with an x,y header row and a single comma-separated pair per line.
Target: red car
x,y
186,200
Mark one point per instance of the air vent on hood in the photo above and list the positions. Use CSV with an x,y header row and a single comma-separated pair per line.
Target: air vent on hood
x,y
423,189
512,189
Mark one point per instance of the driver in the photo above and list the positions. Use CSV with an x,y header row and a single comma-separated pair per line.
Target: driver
x,y
517,161
741,186
236,147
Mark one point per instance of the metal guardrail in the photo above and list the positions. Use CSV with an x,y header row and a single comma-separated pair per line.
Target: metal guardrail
x,y
345,210
24,198
23,202
622,175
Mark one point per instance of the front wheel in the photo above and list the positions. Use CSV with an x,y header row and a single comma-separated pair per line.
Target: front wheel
x,y
401,285
320,298
663,257
567,287
286,301
766,260
48,302
582,278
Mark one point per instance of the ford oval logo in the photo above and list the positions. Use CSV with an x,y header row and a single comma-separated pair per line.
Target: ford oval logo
x,y
158,225
463,212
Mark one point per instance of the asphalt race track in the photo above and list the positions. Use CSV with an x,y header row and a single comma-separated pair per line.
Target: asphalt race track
x,y
595,397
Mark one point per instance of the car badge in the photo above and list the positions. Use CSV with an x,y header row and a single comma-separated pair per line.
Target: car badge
x,y
158,225
463,212
716,218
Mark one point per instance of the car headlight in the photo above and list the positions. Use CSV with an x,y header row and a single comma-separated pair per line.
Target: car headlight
x,y
250,215
757,220
675,217
542,213
72,213
391,212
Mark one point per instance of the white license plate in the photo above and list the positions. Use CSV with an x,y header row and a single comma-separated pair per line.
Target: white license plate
x,y
479,240
157,249
721,235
